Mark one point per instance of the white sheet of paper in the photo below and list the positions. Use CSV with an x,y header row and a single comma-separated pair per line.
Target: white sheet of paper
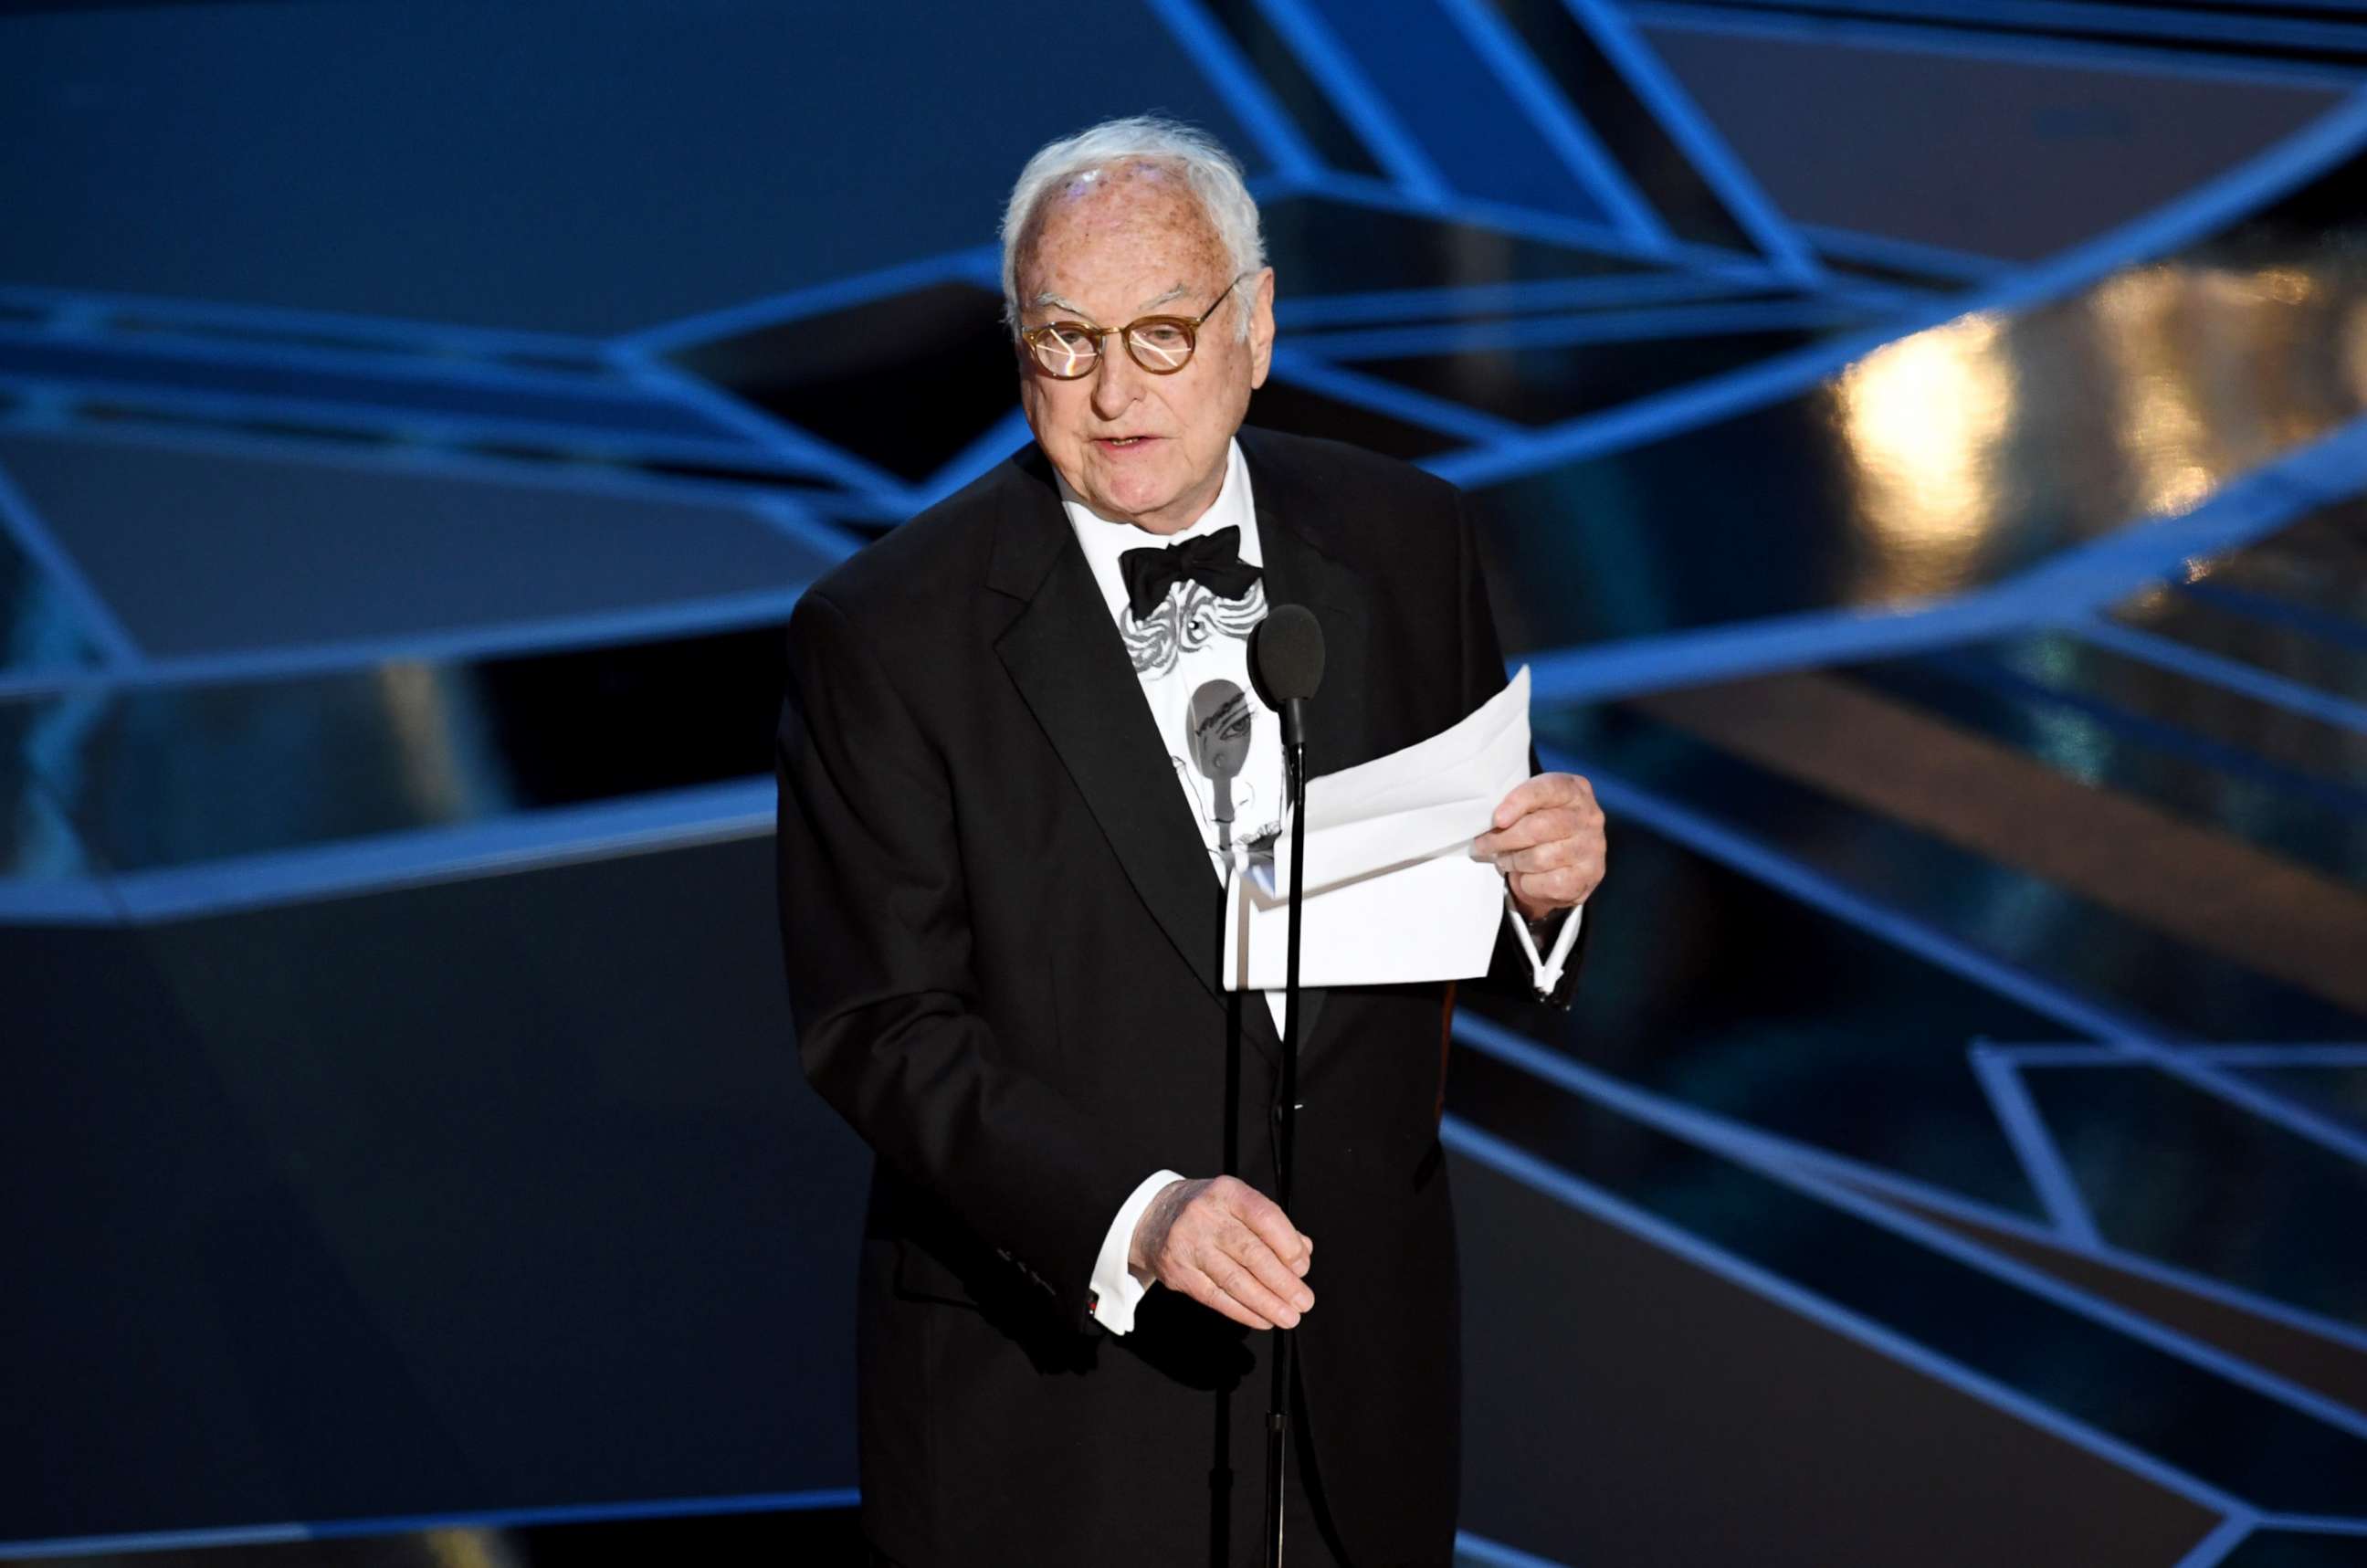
x,y
1392,892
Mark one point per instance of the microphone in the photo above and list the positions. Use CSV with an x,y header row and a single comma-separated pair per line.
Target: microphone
x,y
1286,652
1217,736
1286,655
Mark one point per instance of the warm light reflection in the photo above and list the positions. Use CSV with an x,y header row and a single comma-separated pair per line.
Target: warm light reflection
x,y
441,752
470,1549
2354,350
1925,420
2145,604
2286,285
2164,432
2212,370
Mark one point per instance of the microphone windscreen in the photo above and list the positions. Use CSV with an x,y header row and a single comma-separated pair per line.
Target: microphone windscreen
x,y
1287,651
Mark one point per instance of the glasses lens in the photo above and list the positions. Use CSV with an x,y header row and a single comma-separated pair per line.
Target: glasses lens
x,y
1064,349
1161,346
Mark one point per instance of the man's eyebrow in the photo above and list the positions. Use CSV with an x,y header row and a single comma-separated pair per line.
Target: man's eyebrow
x,y
1048,298
1181,290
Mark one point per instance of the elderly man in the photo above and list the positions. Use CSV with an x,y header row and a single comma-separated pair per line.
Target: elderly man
x,y
1001,897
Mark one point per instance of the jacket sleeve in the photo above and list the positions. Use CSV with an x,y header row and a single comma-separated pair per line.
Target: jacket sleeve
x,y
876,936
1509,971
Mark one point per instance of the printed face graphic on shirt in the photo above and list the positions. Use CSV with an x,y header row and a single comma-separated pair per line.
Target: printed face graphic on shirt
x,y
1220,724
1221,717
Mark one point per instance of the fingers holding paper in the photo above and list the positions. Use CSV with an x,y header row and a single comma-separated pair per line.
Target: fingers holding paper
x,y
1549,841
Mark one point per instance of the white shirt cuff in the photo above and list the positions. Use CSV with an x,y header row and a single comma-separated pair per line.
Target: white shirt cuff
x,y
1115,1289
1547,970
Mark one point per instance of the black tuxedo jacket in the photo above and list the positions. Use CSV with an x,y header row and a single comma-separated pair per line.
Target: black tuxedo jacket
x,y
1002,931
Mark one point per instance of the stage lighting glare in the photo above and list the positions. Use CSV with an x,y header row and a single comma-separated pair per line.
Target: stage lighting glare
x,y
2159,328
1925,421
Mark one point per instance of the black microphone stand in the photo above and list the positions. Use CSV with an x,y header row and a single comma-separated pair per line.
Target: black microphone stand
x,y
1277,1420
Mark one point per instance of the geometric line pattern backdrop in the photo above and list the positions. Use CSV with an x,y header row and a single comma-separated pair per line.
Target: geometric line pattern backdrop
x,y
1935,525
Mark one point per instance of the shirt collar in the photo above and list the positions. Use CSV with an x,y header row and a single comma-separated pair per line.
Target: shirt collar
x,y
1105,541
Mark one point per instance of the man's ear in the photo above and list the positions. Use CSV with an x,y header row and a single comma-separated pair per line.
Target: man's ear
x,y
1261,328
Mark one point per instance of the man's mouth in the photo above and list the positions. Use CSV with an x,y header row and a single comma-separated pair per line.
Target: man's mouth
x,y
1124,443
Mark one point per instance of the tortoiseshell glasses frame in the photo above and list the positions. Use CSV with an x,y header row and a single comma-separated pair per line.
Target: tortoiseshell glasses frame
x,y
1067,350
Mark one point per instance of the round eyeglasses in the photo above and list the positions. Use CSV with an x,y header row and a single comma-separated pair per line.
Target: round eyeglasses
x,y
1067,350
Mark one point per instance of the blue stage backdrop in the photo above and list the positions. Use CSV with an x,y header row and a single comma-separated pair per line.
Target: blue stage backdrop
x,y
1919,449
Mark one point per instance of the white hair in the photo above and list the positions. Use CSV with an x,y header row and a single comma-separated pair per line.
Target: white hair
x,y
1207,169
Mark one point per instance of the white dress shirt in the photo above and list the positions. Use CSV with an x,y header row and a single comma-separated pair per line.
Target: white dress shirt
x,y
1193,638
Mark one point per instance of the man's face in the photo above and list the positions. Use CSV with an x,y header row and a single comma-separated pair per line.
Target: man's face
x,y
1105,250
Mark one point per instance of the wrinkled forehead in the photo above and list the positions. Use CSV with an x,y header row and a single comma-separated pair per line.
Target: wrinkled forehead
x,y
1142,214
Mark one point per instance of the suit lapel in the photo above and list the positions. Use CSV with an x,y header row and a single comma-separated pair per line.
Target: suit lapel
x,y
1293,520
1064,652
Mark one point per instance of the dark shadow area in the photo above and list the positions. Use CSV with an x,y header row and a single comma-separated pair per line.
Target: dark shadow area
x,y
449,1198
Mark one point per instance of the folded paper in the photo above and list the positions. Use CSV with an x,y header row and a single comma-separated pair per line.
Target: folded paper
x,y
1392,892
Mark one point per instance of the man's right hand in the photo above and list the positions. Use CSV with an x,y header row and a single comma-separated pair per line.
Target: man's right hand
x,y
1228,1247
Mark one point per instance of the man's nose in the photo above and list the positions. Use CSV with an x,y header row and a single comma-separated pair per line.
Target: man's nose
x,y
1117,380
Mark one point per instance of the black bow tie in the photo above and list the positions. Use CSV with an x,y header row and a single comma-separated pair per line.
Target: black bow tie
x,y
1213,559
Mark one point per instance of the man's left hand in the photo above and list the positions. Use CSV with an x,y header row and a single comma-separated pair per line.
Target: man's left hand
x,y
1548,843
